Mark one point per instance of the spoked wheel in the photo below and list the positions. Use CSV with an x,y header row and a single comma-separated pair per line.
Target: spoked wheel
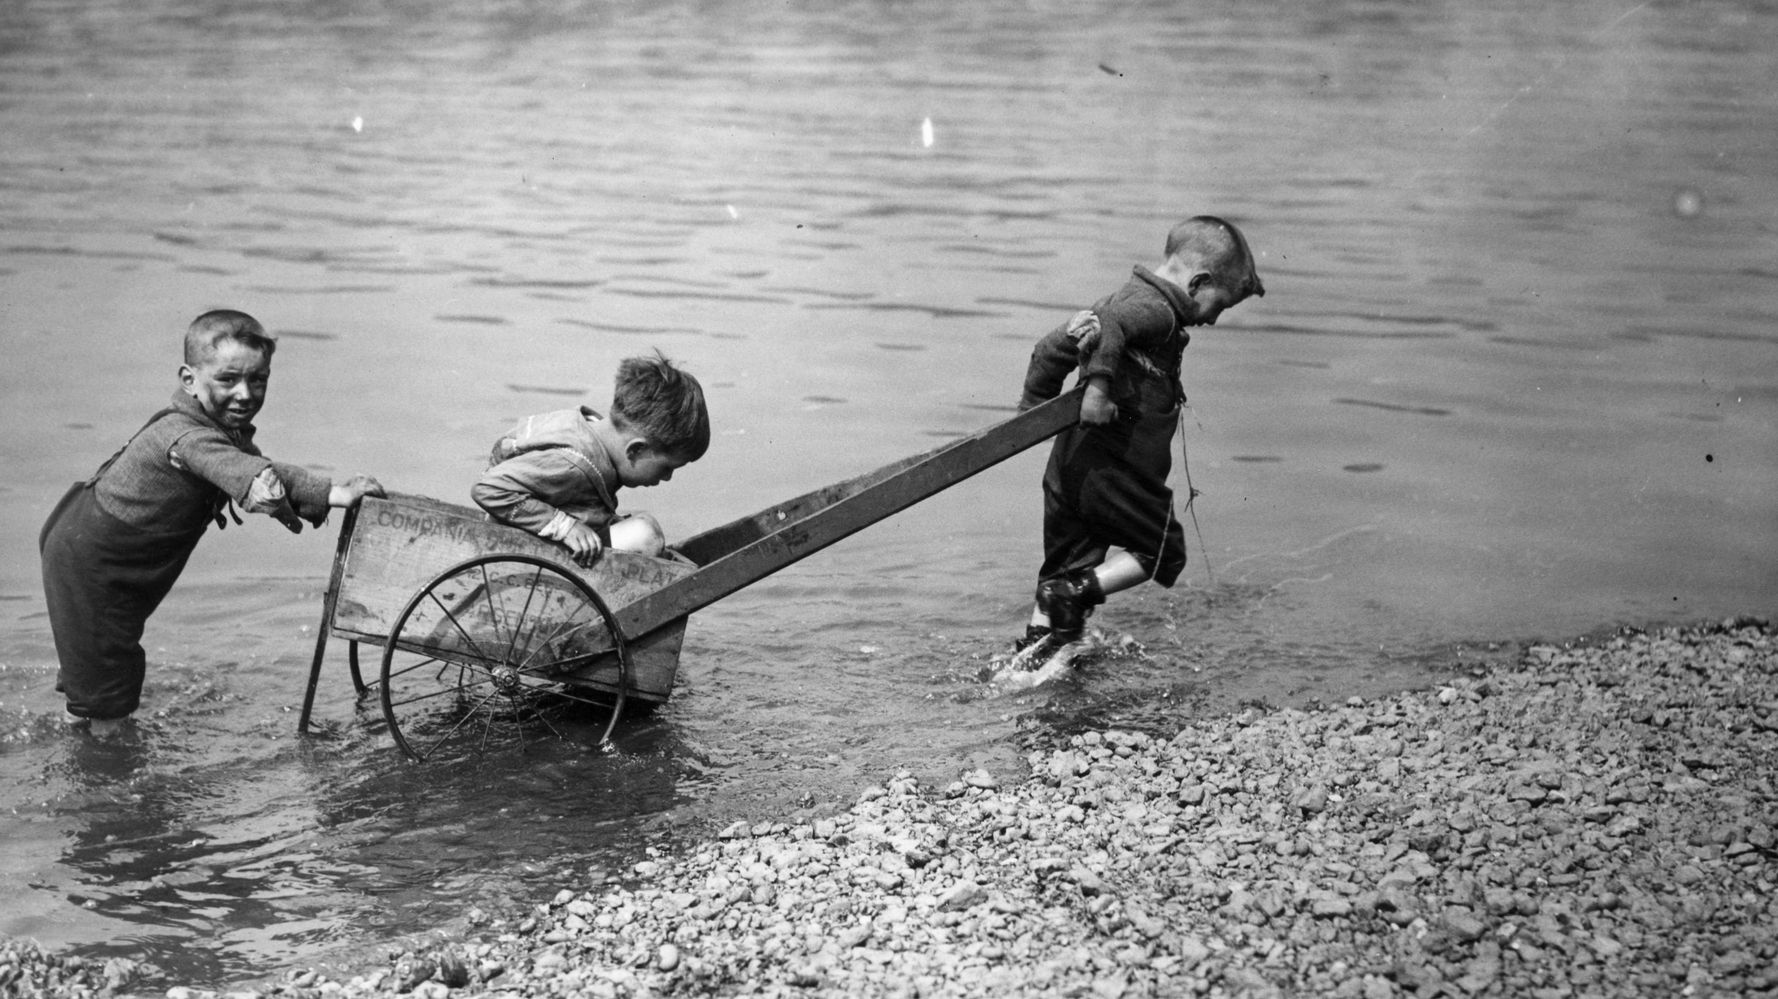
x,y
500,650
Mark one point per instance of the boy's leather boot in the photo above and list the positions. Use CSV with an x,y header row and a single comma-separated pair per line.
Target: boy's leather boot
x,y
1067,599
1034,633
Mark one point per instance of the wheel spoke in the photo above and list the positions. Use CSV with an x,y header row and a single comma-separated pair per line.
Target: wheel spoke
x,y
467,715
556,630
494,614
524,616
441,688
460,689
484,672
571,694
518,723
451,616
543,717
561,629
422,664
556,666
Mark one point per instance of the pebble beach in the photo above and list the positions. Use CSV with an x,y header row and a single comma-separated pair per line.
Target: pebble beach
x,y
1594,818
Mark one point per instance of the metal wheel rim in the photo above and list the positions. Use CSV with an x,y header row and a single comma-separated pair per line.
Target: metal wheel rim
x,y
499,673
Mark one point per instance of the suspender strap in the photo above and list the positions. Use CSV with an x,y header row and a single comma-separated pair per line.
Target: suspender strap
x,y
152,420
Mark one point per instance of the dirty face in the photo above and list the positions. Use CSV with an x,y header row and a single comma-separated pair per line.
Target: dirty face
x,y
230,384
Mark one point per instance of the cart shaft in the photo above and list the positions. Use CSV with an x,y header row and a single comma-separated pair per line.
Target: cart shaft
x,y
749,549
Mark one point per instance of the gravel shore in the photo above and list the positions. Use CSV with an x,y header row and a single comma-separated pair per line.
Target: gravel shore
x,y
1595,819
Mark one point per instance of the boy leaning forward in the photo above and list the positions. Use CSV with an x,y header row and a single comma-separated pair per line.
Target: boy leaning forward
x,y
117,541
1108,521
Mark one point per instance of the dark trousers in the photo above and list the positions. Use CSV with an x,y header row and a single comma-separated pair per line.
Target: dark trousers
x,y
102,578
1106,487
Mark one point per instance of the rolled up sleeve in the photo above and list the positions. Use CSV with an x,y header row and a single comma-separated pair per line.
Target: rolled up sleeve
x,y
309,491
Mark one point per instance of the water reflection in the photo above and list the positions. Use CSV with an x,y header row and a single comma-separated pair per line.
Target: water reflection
x,y
205,865
218,868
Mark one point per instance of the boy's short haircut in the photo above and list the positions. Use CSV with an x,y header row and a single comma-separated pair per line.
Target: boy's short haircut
x,y
217,325
1218,242
663,404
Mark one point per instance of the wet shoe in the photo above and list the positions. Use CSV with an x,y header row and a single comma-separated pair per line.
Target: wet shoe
x,y
1067,600
1036,645
1034,633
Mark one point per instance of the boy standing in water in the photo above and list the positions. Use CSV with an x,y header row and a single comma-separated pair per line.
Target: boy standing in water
x,y
114,545
1106,484
557,474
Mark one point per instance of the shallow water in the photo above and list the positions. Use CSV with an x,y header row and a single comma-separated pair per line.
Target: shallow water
x,y
1514,376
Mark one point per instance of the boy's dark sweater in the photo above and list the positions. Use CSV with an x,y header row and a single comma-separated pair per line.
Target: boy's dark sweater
x,y
1141,337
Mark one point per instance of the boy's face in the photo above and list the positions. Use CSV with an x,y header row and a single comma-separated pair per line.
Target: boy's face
x,y
645,466
229,384
1213,296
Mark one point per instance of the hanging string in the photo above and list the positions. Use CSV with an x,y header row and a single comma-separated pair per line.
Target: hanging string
x,y
1191,498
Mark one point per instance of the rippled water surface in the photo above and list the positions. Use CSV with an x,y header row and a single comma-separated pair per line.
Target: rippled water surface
x,y
1514,376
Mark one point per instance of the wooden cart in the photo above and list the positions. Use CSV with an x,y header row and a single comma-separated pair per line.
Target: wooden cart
x,y
487,632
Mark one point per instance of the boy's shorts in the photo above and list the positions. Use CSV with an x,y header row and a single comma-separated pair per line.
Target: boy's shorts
x,y
1106,487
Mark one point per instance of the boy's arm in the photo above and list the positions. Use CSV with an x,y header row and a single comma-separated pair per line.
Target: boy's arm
x,y
267,495
348,493
1109,355
212,456
1127,324
254,482
1096,407
258,484
310,494
1054,357
511,491
291,495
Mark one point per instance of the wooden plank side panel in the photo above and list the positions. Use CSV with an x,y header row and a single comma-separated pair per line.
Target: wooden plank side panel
x,y
654,665
402,542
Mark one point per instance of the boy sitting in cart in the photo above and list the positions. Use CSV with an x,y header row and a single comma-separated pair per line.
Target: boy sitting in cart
x,y
556,474
1108,519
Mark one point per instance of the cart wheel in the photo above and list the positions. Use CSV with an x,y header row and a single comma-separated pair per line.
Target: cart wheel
x,y
358,685
499,649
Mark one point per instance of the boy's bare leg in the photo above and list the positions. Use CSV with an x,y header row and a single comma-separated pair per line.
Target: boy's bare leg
x,y
105,728
99,728
1119,571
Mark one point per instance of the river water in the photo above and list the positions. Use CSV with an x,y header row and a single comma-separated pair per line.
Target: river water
x,y
1514,377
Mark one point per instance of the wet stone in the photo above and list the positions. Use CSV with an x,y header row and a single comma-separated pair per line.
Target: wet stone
x,y
1473,839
